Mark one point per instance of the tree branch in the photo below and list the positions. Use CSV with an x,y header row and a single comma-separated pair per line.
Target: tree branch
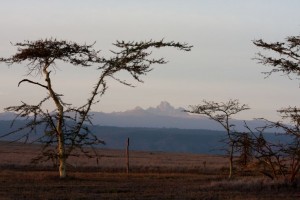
x,y
35,83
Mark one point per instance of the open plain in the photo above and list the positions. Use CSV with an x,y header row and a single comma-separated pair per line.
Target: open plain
x,y
153,175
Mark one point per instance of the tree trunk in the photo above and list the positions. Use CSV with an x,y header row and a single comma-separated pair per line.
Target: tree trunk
x,y
61,140
59,126
294,172
61,156
230,160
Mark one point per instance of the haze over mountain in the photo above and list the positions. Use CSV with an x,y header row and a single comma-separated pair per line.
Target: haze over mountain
x,y
162,116
7,116
160,128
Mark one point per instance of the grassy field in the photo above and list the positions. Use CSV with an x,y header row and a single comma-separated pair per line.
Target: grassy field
x,y
153,175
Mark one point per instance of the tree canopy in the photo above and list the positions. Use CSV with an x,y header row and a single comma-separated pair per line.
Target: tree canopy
x,y
287,59
67,125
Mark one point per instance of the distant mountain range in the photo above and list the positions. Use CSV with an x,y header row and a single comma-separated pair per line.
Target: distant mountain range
x,y
142,139
162,116
161,128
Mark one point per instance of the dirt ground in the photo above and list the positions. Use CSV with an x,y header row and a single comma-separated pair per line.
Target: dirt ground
x,y
153,175
99,185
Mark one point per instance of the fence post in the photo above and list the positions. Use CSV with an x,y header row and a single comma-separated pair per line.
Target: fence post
x,y
127,156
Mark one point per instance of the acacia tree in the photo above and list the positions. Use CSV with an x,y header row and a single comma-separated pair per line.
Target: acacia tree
x,y
288,57
279,158
244,146
292,149
222,113
287,61
67,126
269,155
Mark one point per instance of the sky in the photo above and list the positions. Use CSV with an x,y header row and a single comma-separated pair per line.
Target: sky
x,y
219,67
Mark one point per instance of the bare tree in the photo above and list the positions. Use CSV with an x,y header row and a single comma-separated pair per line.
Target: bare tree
x,y
287,61
279,158
288,57
269,155
222,113
67,126
244,146
291,148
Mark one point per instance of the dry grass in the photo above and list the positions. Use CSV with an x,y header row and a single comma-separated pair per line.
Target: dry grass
x,y
115,160
153,175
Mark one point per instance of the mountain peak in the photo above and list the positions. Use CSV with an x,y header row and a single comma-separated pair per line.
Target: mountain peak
x,y
165,108
138,108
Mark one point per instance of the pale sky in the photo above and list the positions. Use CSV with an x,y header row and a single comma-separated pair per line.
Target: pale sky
x,y
219,67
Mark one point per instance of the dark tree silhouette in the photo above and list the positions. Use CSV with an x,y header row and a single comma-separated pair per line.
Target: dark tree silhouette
x,y
279,158
288,57
244,146
222,113
67,126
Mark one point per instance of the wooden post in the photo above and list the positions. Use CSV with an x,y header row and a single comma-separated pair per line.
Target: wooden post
x,y
204,165
127,156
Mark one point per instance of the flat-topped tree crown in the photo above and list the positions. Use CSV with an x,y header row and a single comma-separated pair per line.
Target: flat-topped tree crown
x,y
67,125
41,53
134,57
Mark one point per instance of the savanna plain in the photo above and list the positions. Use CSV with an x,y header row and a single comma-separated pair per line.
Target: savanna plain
x,y
152,175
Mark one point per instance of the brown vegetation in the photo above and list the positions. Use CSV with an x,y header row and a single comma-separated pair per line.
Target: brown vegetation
x,y
154,175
